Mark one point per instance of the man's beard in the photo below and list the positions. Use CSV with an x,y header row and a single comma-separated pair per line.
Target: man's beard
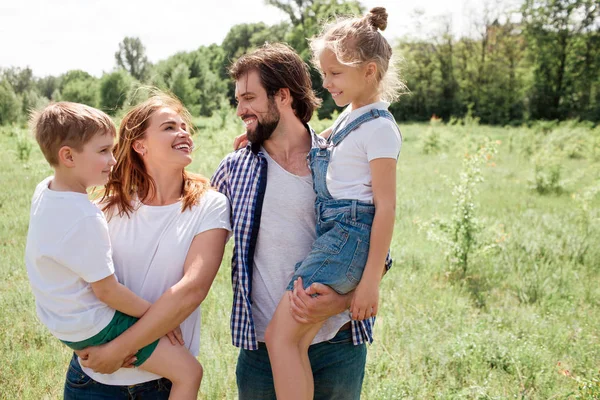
x,y
265,129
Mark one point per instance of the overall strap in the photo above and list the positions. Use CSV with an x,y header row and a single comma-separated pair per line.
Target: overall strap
x,y
337,137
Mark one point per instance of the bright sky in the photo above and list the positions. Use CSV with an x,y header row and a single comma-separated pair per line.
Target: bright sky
x,y
52,37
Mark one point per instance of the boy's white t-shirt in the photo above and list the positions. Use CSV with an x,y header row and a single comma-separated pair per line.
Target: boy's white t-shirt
x,y
349,173
149,251
68,247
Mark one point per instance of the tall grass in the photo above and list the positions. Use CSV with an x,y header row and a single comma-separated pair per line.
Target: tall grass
x,y
521,323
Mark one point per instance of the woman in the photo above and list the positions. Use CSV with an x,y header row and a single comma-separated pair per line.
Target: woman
x,y
168,231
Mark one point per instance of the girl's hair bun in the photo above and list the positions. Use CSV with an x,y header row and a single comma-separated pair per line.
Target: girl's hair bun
x,y
377,18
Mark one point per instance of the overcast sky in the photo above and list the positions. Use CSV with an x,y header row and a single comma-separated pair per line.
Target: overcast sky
x,y
54,36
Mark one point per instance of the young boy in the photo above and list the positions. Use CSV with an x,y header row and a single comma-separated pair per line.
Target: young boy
x,y
68,252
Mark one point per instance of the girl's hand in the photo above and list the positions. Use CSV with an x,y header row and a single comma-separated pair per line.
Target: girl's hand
x,y
176,337
365,300
240,141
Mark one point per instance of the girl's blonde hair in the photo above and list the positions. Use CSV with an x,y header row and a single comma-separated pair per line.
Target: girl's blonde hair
x,y
129,179
358,40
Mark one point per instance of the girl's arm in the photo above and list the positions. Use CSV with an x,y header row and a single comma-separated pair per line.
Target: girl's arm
x,y
175,305
118,296
326,133
366,295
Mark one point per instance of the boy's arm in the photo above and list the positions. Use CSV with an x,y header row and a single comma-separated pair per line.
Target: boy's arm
x,y
326,133
175,305
366,295
118,296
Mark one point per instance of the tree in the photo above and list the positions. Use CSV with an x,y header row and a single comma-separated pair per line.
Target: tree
x,y
132,57
183,87
10,104
83,91
553,30
21,79
113,90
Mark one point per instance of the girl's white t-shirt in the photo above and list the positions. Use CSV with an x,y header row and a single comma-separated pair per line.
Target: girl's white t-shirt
x,y
349,173
149,250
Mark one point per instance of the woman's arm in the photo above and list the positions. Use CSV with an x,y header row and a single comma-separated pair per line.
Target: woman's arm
x,y
366,295
175,305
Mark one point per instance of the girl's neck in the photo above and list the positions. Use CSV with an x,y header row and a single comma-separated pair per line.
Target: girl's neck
x,y
168,185
364,101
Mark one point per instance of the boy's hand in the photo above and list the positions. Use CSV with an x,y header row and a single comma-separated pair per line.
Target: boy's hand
x,y
365,300
240,141
175,336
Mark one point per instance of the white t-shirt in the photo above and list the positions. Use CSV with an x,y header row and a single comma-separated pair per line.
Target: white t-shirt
x,y
349,174
149,251
67,248
287,232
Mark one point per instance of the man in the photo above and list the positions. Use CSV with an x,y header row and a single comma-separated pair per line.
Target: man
x,y
270,190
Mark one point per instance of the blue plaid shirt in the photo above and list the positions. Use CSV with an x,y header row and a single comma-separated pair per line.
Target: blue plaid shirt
x,y
242,177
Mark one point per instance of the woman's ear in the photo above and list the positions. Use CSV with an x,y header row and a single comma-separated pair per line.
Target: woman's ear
x,y
65,157
139,148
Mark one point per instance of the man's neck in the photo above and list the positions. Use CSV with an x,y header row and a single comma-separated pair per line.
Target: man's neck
x,y
289,138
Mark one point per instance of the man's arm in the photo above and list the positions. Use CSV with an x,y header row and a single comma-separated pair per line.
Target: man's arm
x,y
173,307
118,296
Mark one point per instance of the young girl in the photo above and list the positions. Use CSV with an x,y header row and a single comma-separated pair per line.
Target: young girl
x,y
354,177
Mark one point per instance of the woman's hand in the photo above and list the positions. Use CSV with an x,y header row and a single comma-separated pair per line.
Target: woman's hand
x,y
105,359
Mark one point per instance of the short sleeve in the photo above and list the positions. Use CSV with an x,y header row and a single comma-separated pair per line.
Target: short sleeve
x,y
215,213
219,178
86,249
385,142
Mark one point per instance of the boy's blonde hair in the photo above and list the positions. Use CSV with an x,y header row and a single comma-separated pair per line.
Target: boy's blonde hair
x,y
68,124
357,40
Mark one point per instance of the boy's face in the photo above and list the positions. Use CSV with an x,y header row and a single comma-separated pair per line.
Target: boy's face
x,y
95,161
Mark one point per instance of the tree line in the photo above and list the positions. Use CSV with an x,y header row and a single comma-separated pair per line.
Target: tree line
x,y
539,61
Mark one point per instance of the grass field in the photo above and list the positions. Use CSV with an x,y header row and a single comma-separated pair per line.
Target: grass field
x,y
521,320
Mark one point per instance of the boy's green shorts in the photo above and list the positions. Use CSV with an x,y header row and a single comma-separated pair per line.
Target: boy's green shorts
x,y
119,324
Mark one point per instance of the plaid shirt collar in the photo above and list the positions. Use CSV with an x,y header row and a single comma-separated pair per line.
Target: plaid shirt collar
x,y
242,177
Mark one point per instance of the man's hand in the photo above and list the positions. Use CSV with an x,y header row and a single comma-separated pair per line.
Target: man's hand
x,y
316,303
105,359
175,336
365,300
240,141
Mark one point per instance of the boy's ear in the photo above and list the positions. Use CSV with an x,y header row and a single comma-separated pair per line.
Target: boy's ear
x,y
65,156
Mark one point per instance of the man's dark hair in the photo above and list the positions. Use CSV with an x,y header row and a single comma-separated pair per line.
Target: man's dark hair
x,y
280,67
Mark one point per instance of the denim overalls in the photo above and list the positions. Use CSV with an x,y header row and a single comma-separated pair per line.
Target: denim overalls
x,y
339,254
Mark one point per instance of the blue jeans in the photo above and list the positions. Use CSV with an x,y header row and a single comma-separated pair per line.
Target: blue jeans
x,y
338,370
79,386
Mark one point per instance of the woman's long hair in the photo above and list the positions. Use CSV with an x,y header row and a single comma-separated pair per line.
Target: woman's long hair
x,y
129,180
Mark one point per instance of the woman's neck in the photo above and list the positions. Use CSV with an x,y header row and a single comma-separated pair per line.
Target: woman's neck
x,y
168,187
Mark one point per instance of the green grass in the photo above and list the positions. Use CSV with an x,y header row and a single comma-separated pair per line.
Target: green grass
x,y
523,323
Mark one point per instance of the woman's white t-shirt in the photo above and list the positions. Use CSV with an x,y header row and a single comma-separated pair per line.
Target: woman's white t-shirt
x,y
349,173
149,251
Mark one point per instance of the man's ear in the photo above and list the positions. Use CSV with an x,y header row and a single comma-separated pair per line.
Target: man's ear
x,y
65,156
285,97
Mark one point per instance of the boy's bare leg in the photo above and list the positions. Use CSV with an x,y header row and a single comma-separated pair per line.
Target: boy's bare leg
x,y
175,363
